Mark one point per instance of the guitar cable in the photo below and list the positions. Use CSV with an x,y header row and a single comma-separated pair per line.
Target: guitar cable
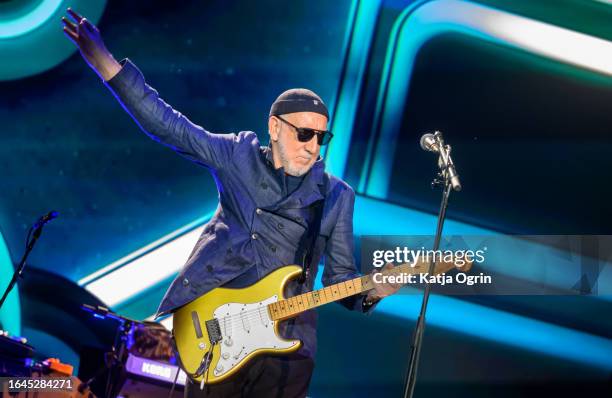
x,y
205,360
174,383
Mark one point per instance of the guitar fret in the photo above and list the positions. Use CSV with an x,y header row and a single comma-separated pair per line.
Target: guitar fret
x,y
289,305
358,283
351,286
300,302
278,312
287,309
309,299
343,289
366,283
325,292
329,293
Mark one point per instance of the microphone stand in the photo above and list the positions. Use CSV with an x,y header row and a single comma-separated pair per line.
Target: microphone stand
x,y
19,271
445,180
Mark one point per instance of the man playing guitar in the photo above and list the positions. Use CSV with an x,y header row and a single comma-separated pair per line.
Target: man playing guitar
x,y
270,199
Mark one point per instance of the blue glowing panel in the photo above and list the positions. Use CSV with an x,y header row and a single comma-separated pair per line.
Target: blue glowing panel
x,y
10,313
423,21
360,31
31,38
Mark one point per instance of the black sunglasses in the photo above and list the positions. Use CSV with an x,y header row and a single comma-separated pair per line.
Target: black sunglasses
x,y
304,134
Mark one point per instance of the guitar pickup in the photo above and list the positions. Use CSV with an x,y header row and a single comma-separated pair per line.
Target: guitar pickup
x,y
214,331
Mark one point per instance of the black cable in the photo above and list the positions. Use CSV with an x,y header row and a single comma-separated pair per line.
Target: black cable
x,y
205,380
109,385
191,376
178,370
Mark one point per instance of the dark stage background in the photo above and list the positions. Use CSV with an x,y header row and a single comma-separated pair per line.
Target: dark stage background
x,y
531,137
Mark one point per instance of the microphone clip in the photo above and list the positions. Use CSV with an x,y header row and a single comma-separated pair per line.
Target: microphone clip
x,y
435,143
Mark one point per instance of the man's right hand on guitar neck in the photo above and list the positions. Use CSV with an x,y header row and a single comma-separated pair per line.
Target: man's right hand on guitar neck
x,y
88,40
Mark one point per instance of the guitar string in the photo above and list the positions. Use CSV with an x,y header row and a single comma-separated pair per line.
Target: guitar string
x,y
255,314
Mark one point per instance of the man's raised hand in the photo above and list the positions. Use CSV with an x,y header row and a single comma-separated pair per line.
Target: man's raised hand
x,y
88,40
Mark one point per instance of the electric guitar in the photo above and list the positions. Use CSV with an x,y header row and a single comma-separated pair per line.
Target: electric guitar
x,y
219,332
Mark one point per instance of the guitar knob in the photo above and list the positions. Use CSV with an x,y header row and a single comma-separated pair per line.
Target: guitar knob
x,y
219,368
225,355
202,345
228,342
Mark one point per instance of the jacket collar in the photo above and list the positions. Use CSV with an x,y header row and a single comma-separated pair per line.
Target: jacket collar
x,y
310,190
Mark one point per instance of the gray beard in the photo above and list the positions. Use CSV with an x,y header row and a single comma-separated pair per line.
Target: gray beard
x,y
289,169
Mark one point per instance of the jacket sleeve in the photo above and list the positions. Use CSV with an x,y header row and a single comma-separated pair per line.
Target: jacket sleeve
x,y
339,258
166,125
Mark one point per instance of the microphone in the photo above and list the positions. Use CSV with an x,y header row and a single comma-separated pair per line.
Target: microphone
x,y
428,143
435,143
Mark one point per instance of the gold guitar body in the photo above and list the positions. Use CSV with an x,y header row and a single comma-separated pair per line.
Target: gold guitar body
x,y
240,321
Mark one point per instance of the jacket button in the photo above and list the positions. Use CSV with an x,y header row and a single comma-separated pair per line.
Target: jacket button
x,y
273,248
209,268
280,226
185,282
254,236
264,185
258,211
298,219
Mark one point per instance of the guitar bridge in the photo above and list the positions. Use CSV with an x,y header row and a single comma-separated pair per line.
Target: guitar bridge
x,y
214,331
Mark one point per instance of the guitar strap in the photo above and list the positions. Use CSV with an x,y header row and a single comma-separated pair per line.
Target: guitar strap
x,y
307,244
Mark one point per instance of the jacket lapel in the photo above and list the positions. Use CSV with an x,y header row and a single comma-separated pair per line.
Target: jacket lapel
x,y
309,190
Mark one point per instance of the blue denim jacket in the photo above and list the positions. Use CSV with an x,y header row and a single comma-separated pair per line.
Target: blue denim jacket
x,y
255,224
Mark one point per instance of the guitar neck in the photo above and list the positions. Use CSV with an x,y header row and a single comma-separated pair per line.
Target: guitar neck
x,y
293,306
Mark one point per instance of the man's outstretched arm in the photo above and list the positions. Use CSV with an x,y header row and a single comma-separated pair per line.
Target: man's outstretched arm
x,y
151,113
